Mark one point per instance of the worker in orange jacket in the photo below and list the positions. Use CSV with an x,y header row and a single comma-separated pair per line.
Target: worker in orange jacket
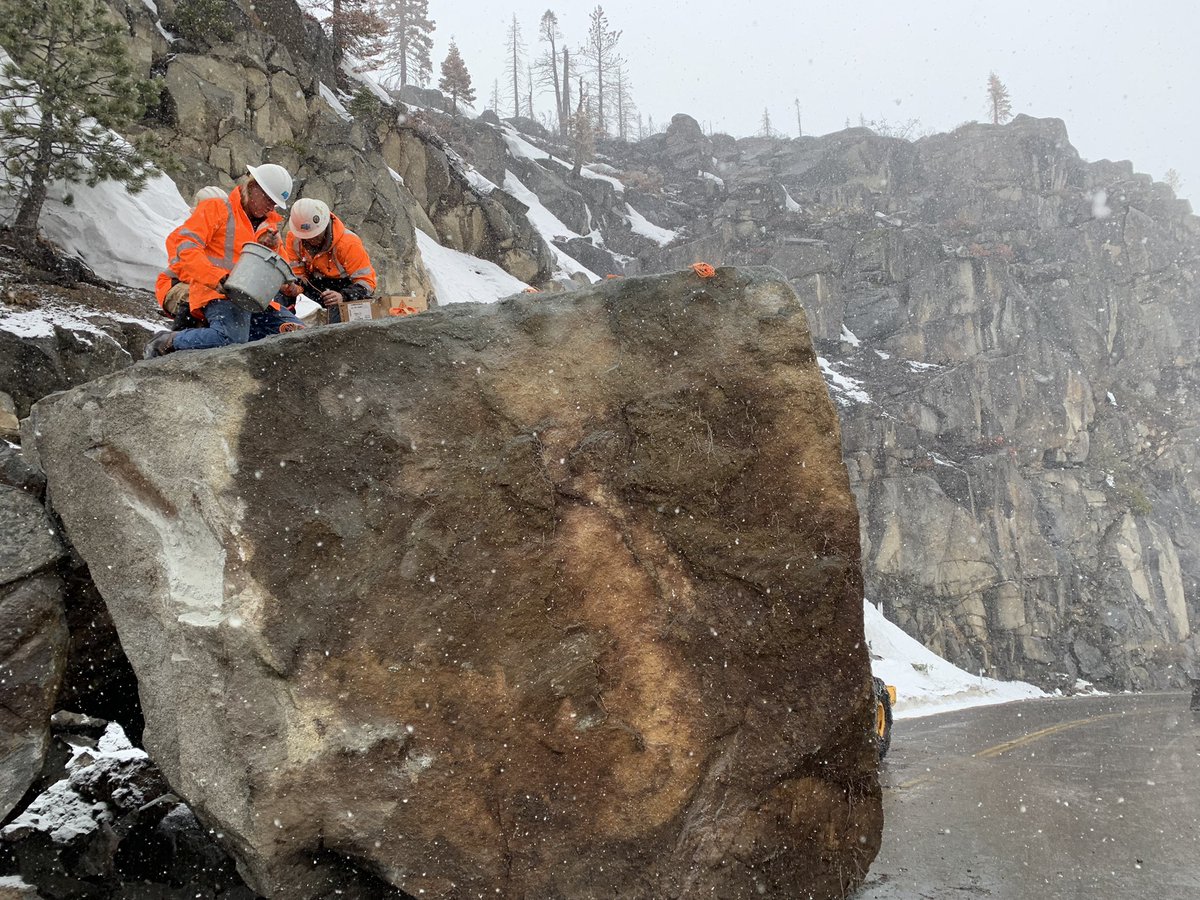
x,y
172,293
326,255
204,249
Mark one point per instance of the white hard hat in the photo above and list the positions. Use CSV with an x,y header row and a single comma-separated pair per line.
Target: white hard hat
x,y
275,181
211,192
309,218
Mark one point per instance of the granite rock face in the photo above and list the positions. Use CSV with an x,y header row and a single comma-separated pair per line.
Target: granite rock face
x,y
553,597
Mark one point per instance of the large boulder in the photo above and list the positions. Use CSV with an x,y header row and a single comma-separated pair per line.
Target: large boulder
x,y
33,639
34,363
688,150
557,597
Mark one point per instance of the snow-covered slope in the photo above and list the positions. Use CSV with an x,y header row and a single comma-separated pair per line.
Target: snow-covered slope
x,y
121,236
460,278
925,683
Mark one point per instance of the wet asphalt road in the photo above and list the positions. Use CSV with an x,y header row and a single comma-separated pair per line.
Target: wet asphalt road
x,y
1081,798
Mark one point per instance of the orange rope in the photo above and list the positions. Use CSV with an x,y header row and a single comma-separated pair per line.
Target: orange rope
x,y
704,270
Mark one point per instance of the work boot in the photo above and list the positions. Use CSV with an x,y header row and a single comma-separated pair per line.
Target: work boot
x,y
159,345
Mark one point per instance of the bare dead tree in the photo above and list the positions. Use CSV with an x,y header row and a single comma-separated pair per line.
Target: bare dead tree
x,y
516,54
601,60
548,65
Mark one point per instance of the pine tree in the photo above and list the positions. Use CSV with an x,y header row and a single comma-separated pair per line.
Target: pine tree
x,y
529,93
456,80
998,101
69,85
799,121
1174,180
495,103
765,130
548,64
409,40
601,60
516,53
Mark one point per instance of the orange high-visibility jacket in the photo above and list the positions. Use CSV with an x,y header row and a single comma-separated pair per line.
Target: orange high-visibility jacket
x,y
164,282
345,258
204,249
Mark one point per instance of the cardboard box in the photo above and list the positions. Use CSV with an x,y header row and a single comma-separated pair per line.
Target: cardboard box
x,y
381,307
363,310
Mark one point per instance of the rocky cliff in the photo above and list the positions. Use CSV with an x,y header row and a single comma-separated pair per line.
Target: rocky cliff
x,y
1012,336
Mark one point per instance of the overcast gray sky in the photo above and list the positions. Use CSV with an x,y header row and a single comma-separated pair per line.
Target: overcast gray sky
x,y
1123,75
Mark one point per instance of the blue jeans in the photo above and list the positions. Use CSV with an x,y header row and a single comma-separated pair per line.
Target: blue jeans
x,y
229,324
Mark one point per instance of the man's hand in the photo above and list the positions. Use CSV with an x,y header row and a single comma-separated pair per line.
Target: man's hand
x,y
291,290
330,298
269,238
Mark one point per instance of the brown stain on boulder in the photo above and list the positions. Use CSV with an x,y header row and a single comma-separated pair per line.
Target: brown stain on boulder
x,y
576,530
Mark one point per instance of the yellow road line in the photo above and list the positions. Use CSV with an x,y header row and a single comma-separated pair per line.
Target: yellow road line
x,y
1035,735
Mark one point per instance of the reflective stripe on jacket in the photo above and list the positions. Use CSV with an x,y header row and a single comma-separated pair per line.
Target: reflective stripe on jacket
x,y
205,248
345,258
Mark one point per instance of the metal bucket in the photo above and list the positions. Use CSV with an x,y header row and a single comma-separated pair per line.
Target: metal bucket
x,y
257,278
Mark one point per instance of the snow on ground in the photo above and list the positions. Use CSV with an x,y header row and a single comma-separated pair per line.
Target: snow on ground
x,y
153,7
925,683
548,225
461,278
478,181
788,203
844,388
519,147
599,172
849,337
335,104
921,366
715,179
643,226
40,322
